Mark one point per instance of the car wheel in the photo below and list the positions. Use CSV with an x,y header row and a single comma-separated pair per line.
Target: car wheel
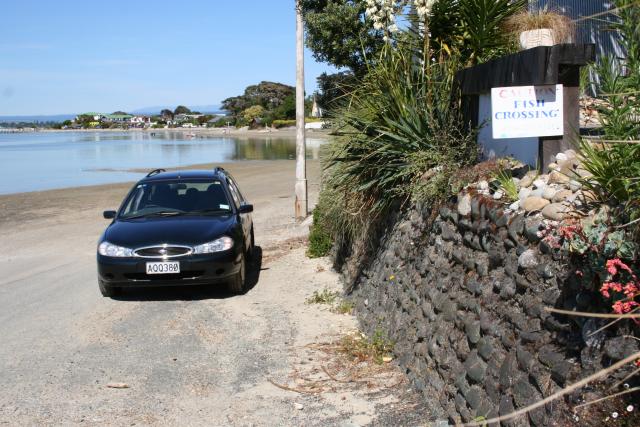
x,y
237,283
108,291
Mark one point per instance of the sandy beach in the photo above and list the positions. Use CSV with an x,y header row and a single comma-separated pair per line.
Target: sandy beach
x,y
267,184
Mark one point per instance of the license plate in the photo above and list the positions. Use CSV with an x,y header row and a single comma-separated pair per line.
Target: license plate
x,y
163,267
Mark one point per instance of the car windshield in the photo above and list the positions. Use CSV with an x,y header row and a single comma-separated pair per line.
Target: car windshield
x,y
170,198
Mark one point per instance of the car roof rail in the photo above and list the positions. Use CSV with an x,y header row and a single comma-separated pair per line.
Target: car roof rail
x,y
155,172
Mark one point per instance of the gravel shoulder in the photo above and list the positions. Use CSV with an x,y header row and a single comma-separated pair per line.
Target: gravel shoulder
x,y
187,356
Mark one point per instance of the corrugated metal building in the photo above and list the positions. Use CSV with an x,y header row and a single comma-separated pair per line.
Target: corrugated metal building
x,y
591,19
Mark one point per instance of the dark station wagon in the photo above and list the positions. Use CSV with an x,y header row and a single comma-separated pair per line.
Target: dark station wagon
x,y
178,228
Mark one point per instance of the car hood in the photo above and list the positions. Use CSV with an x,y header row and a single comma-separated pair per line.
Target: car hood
x,y
179,230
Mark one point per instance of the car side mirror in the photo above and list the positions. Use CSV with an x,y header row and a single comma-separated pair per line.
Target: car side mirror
x,y
109,214
246,208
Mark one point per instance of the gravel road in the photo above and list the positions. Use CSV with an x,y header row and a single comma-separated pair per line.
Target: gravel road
x,y
191,356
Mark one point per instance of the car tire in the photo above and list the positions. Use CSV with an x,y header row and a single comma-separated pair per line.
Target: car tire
x,y
237,283
252,246
108,291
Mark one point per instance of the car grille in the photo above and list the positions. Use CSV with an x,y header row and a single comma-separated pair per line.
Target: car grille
x,y
163,251
160,277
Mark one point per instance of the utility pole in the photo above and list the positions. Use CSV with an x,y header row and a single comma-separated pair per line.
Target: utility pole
x,y
302,207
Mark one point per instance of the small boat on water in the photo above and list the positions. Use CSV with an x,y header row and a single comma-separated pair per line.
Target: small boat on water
x,y
190,135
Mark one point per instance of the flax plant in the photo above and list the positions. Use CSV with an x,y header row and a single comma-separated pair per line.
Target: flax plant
x,y
613,162
403,120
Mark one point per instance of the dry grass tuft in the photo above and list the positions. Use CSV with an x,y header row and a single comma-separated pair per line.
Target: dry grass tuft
x,y
361,348
562,27
352,363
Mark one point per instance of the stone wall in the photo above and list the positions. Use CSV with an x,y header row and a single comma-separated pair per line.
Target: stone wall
x,y
463,297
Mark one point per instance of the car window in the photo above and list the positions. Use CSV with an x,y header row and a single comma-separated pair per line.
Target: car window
x,y
237,189
234,193
176,197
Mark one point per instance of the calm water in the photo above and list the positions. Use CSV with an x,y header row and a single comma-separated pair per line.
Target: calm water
x,y
42,161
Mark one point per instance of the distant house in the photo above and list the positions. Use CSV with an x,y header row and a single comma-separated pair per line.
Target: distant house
x,y
117,118
96,117
316,111
140,120
181,118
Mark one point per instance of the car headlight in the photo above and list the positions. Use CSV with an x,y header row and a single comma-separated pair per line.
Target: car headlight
x,y
222,244
108,249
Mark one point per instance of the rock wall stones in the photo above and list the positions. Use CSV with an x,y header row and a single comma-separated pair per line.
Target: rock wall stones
x,y
552,196
464,296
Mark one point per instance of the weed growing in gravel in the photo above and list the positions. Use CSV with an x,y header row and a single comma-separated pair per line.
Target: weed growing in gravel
x,y
332,298
344,307
362,348
507,185
325,296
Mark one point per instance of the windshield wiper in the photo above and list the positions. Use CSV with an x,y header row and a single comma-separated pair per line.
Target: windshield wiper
x,y
158,213
207,211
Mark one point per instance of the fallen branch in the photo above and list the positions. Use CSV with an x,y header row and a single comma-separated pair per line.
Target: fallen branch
x,y
326,371
287,388
628,224
591,402
587,314
559,393
622,381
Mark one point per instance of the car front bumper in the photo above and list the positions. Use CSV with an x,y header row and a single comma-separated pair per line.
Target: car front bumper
x,y
202,269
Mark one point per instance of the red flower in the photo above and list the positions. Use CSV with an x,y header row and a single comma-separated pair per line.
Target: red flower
x,y
630,290
620,307
607,286
612,265
617,307
567,231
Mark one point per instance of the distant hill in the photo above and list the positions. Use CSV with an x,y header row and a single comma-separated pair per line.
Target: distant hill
x,y
37,119
211,109
208,109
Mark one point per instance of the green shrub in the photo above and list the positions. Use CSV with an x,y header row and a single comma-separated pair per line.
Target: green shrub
x,y
252,113
320,241
224,122
283,123
279,123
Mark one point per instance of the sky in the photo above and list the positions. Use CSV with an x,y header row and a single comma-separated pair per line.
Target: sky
x,y
72,56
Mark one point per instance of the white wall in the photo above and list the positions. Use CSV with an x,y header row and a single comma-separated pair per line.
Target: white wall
x,y
523,149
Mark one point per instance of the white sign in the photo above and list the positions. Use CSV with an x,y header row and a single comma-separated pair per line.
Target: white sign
x,y
526,111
